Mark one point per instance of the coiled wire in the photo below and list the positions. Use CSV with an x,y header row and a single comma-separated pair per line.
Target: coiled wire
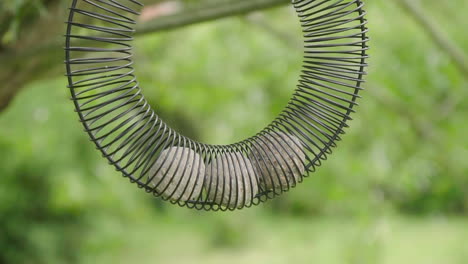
x,y
132,137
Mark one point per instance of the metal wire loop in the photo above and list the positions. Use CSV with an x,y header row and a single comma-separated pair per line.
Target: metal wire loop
x,y
132,137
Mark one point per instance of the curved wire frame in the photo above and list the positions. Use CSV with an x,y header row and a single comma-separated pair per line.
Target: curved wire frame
x,y
132,137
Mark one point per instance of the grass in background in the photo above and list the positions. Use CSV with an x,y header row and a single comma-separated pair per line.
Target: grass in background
x,y
258,238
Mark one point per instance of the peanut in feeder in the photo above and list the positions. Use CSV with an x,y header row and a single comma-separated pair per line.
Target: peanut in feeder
x,y
178,174
230,181
279,160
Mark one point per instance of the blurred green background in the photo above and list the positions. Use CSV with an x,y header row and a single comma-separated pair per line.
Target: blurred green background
x,y
395,191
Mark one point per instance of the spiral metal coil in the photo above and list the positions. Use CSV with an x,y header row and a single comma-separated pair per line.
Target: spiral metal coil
x,y
133,138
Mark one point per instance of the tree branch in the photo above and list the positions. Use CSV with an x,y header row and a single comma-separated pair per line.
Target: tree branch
x,y
27,64
437,35
207,13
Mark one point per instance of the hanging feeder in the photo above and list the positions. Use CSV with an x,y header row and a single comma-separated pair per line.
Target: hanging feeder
x,y
133,138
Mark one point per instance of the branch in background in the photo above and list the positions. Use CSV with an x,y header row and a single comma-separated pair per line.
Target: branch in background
x,y
207,13
451,48
259,20
28,64
4,26
157,10
422,127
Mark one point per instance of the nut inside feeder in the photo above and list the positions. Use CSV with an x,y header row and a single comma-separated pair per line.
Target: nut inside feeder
x,y
178,174
279,160
230,180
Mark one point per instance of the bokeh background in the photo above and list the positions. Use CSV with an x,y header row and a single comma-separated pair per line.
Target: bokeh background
x,y
394,191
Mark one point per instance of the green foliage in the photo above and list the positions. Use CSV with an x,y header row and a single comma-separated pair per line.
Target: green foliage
x,y
16,14
219,83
